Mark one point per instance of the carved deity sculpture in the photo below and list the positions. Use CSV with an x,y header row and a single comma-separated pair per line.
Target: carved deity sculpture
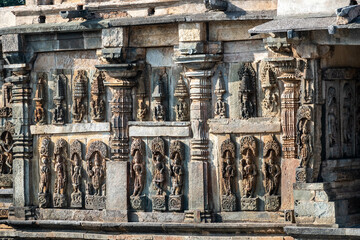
x,y
247,91
97,100
45,173
220,106
6,108
96,167
177,171
182,108
39,112
138,174
79,95
159,178
271,169
332,124
59,111
158,94
141,94
228,169
60,157
348,120
76,173
270,102
6,156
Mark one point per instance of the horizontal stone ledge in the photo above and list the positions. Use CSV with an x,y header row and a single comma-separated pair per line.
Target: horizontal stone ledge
x,y
70,128
251,125
6,191
323,232
156,129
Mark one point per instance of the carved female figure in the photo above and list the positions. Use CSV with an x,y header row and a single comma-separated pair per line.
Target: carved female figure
x,y
332,114
76,173
6,148
139,171
305,145
159,174
228,173
96,174
44,175
177,172
248,168
61,179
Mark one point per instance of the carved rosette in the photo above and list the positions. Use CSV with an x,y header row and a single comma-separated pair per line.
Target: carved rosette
x,y
159,177
270,91
248,173
59,114
304,137
60,158
177,173
96,155
182,108
45,173
138,174
247,91
97,103
39,112
79,96
76,174
220,107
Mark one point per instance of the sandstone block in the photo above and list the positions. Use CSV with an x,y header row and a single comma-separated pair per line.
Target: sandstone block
x,y
114,37
192,32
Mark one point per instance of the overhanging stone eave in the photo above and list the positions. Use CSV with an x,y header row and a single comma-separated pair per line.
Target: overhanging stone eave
x,y
91,25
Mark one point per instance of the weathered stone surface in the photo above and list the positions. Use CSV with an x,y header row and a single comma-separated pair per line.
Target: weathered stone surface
x,y
115,37
12,43
249,204
116,185
258,125
191,32
70,128
154,36
153,129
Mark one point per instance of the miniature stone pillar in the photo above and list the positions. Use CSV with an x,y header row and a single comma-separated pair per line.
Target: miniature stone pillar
x,y
198,69
121,77
12,48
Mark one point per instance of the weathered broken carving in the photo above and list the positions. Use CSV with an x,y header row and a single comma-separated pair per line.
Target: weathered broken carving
x,y
79,95
272,171
76,174
182,108
96,154
97,97
248,173
59,111
60,157
6,109
141,94
45,173
348,105
304,138
158,95
332,123
159,178
177,173
138,174
228,173
270,103
247,91
39,112
220,107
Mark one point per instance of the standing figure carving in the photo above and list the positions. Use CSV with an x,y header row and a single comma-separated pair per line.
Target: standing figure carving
x,y
332,123
248,172
141,94
39,112
59,111
182,108
177,173
348,120
220,106
97,97
159,179
228,200
270,102
158,95
45,173
247,91
60,157
79,95
6,155
96,165
304,141
76,173
138,174
272,172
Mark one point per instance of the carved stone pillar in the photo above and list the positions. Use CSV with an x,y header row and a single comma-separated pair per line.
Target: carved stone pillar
x,y
198,69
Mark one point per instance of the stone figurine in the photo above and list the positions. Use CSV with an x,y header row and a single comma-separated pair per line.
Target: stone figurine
x,y
60,157
141,94
248,172
158,95
76,173
39,112
79,96
228,169
272,172
177,173
59,111
6,105
97,102
348,105
332,122
220,106
45,173
159,177
6,157
96,157
270,103
247,91
182,108
138,174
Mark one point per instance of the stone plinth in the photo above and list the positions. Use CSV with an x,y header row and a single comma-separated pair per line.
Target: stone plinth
x,y
76,200
300,175
44,200
272,203
159,203
59,200
176,203
249,204
6,180
95,202
138,202
228,203
154,129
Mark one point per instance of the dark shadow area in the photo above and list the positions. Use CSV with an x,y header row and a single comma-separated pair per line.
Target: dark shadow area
x,y
8,3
